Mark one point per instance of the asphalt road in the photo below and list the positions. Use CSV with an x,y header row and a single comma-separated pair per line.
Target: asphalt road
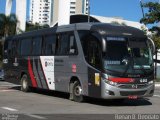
x,y
39,104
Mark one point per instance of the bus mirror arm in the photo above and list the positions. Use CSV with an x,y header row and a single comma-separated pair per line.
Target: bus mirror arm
x,y
104,45
153,45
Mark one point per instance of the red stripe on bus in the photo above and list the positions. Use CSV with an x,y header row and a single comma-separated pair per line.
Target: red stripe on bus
x,y
122,80
34,83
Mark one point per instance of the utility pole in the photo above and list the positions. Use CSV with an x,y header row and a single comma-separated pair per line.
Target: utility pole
x,y
142,8
89,8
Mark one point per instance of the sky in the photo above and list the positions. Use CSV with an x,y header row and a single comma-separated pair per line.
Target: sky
x,y
126,9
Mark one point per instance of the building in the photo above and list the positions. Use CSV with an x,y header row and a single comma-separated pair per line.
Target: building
x,y
40,11
46,11
21,6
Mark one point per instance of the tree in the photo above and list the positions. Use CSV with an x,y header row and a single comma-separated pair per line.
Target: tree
x,y
151,17
153,14
37,26
8,24
118,23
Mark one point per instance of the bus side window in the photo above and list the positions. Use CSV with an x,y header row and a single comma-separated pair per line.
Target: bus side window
x,y
15,48
72,45
49,45
9,50
62,44
37,46
66,44
26,47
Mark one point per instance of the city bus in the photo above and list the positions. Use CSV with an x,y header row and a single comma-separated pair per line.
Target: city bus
x,y
98,60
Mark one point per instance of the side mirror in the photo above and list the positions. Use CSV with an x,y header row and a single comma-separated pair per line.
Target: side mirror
x,y
104,45
151,42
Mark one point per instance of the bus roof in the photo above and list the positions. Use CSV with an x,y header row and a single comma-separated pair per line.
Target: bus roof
x,y
106,29
102,28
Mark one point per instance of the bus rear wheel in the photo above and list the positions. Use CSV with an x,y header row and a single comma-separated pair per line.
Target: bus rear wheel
x,y
77,92
24,84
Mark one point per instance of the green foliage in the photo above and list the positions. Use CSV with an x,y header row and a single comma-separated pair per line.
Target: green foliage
x,y
31,27
152,17
117,23
153,14
156,40
8,25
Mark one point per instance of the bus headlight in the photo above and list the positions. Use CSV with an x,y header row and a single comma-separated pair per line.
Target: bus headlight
x,y
150,82
110,82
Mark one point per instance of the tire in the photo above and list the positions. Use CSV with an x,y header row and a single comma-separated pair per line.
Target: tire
x,y
24,84
77,92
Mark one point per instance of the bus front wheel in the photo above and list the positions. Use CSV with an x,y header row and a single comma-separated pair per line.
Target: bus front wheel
x,y
24,84
77,92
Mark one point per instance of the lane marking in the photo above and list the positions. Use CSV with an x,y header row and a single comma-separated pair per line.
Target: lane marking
x,y
156,95
8,90
10,85
10,109
36,116
157,85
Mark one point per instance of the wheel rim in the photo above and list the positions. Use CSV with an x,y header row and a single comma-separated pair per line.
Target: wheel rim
x,y
78,91
24,84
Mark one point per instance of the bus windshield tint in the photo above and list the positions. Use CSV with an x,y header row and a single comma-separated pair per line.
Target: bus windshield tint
x,y
124,55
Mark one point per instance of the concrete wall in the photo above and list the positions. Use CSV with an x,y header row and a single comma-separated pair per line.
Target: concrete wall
x,y
79,6
8,7
55,11
21,7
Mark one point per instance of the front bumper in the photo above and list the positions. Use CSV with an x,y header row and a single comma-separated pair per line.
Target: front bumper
x,y
114,92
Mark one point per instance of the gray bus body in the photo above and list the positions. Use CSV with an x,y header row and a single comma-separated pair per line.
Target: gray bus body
x,y
55,58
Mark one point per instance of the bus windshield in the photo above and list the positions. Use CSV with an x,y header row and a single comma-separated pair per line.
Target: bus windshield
x,y
125,55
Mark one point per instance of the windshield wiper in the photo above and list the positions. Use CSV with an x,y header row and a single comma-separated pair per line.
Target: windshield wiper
x,y
128,65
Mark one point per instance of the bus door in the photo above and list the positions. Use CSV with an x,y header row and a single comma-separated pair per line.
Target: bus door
x,y
94,71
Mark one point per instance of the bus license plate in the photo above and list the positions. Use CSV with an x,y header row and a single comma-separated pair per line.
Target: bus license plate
x,y
132,97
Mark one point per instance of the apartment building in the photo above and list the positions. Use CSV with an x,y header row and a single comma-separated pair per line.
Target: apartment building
x,y
40,11
46,11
